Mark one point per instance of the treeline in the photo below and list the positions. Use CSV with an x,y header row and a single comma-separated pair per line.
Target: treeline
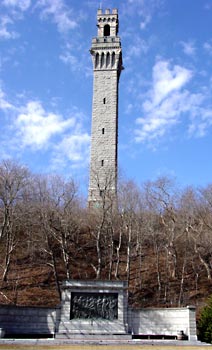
x,y
157,236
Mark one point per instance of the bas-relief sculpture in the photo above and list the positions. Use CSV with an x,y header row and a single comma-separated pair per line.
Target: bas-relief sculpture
x,y
94,306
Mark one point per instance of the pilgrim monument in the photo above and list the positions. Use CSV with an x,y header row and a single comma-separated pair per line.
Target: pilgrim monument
x,y
107,66
99,310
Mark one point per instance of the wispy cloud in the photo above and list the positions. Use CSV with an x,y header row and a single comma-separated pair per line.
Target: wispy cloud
x,y
4,103
208,47
73,148
188,47
145,9
146,20
22,5
137,48
14,11
71,59
200,121
59,13
76,57
5,31
167,100
56,10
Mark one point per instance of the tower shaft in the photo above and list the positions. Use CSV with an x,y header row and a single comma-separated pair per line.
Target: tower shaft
x,y
107,65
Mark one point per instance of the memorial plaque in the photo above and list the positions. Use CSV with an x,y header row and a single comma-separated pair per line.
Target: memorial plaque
x,y
94,306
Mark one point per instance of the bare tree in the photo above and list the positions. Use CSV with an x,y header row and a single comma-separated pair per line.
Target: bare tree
x,y
129,208
102,218
56,204
13,180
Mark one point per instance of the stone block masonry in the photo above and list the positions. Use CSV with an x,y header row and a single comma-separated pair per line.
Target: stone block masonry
x,y
20,320
93,307
164,322
84,313
107,65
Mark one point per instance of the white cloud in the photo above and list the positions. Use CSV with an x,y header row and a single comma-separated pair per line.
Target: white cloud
x,y
137,48
75,56
146,20
145,9
166,102
15,10
32,127
167,99
73,148
188,48
23,5
4,103
70,59
200,122
208,47
36,126
166,80
60,13
5,33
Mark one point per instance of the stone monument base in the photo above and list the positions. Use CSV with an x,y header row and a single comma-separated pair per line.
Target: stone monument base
x,y
93,308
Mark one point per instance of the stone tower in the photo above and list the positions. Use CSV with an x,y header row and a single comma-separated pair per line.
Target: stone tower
x,y
107,66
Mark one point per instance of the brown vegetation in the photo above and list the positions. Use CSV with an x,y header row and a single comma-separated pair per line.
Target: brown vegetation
x,y
157,237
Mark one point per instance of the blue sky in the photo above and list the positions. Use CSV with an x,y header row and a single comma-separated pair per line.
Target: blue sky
x,y
165,91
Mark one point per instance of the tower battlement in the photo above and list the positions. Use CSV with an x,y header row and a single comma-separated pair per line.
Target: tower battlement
x,y
107,12
107,22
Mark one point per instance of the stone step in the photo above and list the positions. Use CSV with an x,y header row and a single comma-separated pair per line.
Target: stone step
x,y
94,337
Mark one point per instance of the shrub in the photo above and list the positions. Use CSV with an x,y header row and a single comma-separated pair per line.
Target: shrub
x,y
205,323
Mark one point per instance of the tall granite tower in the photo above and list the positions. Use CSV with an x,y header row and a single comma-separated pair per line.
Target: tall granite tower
x,y
107,65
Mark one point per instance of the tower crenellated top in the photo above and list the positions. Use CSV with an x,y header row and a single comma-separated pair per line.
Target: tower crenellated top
x,y
107,22
107,11
106,46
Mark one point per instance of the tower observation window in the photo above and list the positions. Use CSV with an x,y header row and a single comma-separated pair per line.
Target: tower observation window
x,y
107,30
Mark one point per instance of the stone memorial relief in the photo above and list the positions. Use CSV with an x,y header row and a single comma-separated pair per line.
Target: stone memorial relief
x,y
94,306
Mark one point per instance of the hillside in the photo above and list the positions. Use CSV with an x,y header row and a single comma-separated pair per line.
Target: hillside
x,y
31,280
156,236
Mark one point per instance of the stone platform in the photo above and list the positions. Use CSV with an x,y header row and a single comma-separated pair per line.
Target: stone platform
x,y
100,344
90,308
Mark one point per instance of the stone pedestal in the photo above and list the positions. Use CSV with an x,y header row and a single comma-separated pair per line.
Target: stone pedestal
x,y
192,329
93,308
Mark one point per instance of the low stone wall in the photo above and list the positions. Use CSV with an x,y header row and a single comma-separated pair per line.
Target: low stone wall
x,y
28,320
167,322
97,308
41,321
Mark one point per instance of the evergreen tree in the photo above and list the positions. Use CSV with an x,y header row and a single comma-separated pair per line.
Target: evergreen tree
x,y
205,323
